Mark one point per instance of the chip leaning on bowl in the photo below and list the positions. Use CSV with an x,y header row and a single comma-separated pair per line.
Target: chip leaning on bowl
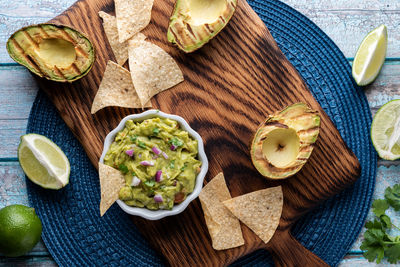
x,y
158,160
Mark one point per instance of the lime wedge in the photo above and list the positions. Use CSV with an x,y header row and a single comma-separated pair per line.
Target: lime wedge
x,y
43,161
370,56
385,131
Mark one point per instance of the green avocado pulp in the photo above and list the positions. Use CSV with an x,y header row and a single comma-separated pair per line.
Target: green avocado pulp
x,y
158,160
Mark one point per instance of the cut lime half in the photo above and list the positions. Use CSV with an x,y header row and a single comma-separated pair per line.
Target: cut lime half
x,y
370,56
43,161
385,131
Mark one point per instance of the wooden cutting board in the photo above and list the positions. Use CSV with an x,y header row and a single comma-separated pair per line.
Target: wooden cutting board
x,y
230,86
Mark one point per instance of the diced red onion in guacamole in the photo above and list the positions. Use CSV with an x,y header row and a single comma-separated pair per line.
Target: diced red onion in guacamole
x,y
156,150
164,155
158,198
159,176
135,181
155,157
147,163
129,152
172,147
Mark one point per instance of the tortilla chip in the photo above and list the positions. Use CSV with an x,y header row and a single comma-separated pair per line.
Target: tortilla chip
x,y
111,182
223,227
152,69
132,17
120,50
259,210
116,89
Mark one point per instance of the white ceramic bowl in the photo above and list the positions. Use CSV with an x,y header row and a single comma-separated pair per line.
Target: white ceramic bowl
x,y
158,214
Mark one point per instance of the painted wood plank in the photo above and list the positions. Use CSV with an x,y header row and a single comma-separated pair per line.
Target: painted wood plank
x,y
10,132
386,87
30,261
17,92
360,261
12,185
347,22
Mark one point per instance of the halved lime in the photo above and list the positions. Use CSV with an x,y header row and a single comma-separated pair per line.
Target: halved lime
x,y
385,131
43,161
370,56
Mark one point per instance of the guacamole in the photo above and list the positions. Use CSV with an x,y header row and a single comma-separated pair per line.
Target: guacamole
x,y
158,160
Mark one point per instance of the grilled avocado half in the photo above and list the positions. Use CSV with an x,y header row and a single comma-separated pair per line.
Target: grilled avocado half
x,y
55,52
195,22
284,142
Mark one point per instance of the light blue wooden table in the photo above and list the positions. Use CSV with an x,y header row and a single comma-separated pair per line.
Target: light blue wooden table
x,y
345,21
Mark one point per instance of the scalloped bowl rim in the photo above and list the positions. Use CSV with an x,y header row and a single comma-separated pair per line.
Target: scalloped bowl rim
x,y
158,214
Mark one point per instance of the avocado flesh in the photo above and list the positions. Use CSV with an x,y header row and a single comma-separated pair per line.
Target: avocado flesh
x,y
195,22
285,141
58,53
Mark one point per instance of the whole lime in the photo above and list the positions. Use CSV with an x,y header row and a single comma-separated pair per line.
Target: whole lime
x,y
20,230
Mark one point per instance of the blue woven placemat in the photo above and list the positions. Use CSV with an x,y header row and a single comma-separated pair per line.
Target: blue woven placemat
x,y
76,236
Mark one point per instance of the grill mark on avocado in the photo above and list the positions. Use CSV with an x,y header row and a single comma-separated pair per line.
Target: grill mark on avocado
x,y
232,4
69,38
59,72
276,124
189,29
308,148
207,26
304,116
281,170
308,131
42,31
302,159
27,58
177,41
76,69
30,39
37,65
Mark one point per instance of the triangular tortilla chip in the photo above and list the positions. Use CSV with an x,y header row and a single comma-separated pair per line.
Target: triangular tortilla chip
x,y
152,69
120,50
116,89
132,17
223,227
111,182
259,210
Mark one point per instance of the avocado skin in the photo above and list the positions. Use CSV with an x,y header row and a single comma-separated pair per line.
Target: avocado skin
x,y
21,45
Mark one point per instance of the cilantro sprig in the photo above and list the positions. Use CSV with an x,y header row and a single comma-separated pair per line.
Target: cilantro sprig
x,y
123,168
156,131
378,243
176,142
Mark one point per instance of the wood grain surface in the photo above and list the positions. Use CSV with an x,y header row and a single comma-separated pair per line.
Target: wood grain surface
x,y
230,86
